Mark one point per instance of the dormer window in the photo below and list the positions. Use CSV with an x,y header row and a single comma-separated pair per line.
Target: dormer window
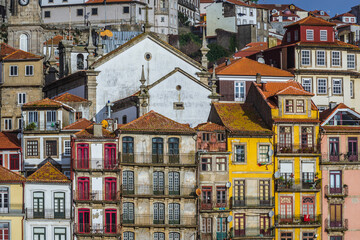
x,y
321,12
296,35
289,106
288,37
323,35
300,107
309,35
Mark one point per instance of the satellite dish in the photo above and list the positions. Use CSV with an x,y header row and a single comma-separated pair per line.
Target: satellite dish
x,y
271,152
228,184
261,60
277,175
19,136
198,191
271,213
229,218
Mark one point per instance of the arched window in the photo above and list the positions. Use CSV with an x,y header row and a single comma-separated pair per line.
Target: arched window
x,y
173,150
127,149
128,212
157,150
174,236
128,182
159,213
129,236
80,61
174,213
24,42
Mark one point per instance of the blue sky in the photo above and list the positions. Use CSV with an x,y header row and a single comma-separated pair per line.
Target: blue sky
x,y
330,6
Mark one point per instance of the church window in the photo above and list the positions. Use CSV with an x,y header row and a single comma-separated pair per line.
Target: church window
x,y
80,61
24,42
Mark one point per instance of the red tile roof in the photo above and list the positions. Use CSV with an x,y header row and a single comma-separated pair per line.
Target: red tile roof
x,y
209,127
55,40
48,173
9,141
311,21
294,91
241,3
46,103
68,97
10,177
241,119
155,122
281,7
328,112
343,15
8,53
107,1
88,133
317,13
79,124
251,48
248,67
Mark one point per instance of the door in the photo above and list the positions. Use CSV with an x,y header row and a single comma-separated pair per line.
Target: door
x,y
128,182
352,149
174,213
159,213
335,215
334,149
206,201
110,189
264,192
239,193
335,182
84,220
174,150
174,183
4,231
4,200
110,221
286,209
59,205
38,204
83,188
265,225
157,150
206,228
308,209
306,139
110,156
221,196
285,139
158,181
239,224
82,156
221,228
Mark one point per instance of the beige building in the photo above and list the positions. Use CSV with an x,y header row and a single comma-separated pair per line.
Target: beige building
x,y
21,81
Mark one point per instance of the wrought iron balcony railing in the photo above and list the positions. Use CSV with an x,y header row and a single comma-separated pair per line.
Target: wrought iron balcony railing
x,y
254,232
341,191
297,220
146,190
291,184
48,213
97,229
252,202
340,158
12,209
215,206
95,164
94,196
148,158
147,220
336,226
297,149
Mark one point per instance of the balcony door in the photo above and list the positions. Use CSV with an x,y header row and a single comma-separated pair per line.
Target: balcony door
x,y
335,215
84,220
285,139
221,196
110,156
206,200
83,156
352,149
159,182
157,150
286,209
110,189
128,182
59,205
38,204
334,149
335,182
110,221
265,225
306,138
83,188
308,208
264,192
239,193
239,224
174,183
4,200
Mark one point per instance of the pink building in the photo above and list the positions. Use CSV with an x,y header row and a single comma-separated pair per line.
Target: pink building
x,y
340,173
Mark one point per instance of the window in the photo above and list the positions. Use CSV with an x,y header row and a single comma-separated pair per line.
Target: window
x,y
94,11
335,182
21,98
39,233
221,137
110,221
125,9
323,35
322,86
351,61
110,189
239,224
285,138
296,35
13,70
286,209
59,205
128,212
306,137
38,204
124,119
78,115
51,148
239,153
264,154
239,193
14,162
7,123
127,149
79,12
352,149
1,160
139,11
162,19
67,148
206,225
174,236
157,150
50,120
264,192
308,208
174,183
29,70
174,213
83,220
308,236
309,35
205,164
335,58
173,145
32,148
334,149
24,42
59,233
265,26
220,164
206,199
82,155
300,107
128,182
289,106
286,236
33,117
129,236
240,91
159,236
352,88
158,183
307,84
4,201
47,14
265,225
20,123
110,156
335,215
288,35
220,196
305,57
80,61
159,213
336,238
337,86
221,230
83,189
4,231
206,137
320,58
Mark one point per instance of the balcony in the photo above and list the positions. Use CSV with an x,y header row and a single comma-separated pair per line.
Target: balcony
x,y
297,221
254,233
252,202
340,159
214,206
291,149
95,165
141,190
187,4
106,230
143,220
336,226
47,214
97,196
13,209
158,159
308,183
340,192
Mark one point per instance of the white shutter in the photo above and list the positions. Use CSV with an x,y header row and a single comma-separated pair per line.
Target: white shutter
x,y
286,167
307,167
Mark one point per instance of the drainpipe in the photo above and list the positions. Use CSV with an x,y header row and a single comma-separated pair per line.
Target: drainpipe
x,y
22,220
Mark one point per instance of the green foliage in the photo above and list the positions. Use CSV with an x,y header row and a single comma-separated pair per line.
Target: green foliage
x,y
183,20
30,126
185,39
216,52
232,43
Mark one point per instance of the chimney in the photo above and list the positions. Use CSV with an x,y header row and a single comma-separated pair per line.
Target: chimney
x,y
258,78
98,130
332,105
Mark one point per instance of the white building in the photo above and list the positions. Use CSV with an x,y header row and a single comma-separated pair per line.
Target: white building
x,y
48,205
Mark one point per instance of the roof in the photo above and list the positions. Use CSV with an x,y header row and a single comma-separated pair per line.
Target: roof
x,y
155,122
55,40
68,97
248,67
324,115
8,53
107,1
241,3
49,174
207,1
282,7
251,48
311,21
88,133
9,141
46,103
82,123
241,119
318,13
209,127
294,91
8,176
343,15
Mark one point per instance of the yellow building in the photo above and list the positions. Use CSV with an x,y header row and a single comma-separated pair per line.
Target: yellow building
x,y
11,205
250,169
295,122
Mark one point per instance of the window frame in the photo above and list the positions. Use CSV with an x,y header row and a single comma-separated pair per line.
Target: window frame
x,y
323,37
14,163
37,234
305,58
289,106
352,62
8,124
318,86
126,10
262,153
79,12
333,59
26,70
67,148
59,207
59,234
94,11
298,104
306,85
12,70
239,91
208,164
321,58
21,99
236,153
47,14
309,34
352,87
340,86
49,145
32,149
221,165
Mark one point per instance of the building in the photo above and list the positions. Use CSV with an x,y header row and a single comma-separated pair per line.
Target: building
x,y
345,18
251,166
320,13
323,65
10,151
349,33
12,210
295,123
236,76
190,9
96,183
213,180
48,204
21,81
159,179
340,167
